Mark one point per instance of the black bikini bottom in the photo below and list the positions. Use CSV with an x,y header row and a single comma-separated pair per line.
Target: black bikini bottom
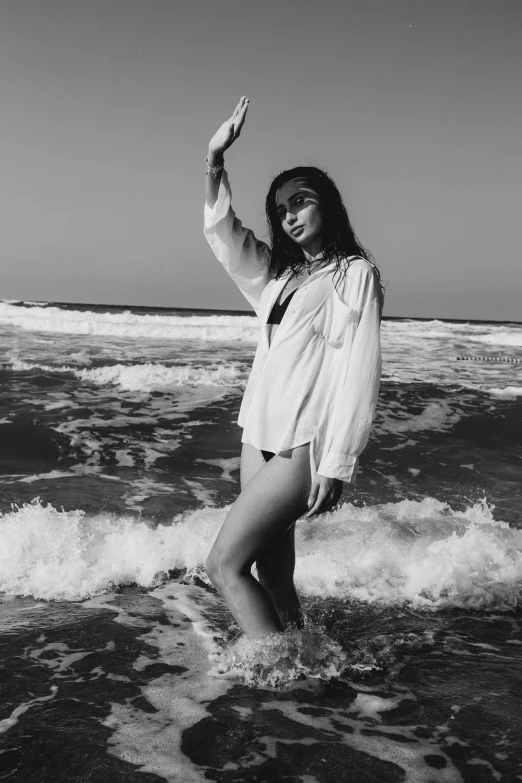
x,y
267,455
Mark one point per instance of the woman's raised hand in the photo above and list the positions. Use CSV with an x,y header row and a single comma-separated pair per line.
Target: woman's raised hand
x,y
228,132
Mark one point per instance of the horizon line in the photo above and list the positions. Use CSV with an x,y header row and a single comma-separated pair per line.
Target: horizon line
x,y
251,313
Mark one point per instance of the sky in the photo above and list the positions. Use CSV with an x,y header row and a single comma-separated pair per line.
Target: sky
x,y
414,107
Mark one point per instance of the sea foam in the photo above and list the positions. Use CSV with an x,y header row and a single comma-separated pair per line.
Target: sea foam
x,y
509,392
281,658
414,351
146,377
509,339
420,553
242,328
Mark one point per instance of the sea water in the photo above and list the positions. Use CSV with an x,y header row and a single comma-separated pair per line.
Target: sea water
x,y
119,458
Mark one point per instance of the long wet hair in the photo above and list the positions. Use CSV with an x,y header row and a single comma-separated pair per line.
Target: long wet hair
x,y
338,239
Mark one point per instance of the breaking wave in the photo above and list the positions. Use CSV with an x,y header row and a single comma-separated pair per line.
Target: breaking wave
x,y
212,328
145,377
421,553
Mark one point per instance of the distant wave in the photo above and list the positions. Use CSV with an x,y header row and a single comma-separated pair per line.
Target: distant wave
x,y
39,316
145,377
128,324
420,553
510,339
489,334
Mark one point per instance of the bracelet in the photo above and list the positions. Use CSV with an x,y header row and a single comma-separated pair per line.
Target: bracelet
x,y
214,170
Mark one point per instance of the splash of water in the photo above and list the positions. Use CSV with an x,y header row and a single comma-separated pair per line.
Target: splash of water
x,y
281,658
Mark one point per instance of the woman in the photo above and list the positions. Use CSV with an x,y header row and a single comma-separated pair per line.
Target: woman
x,y
310,399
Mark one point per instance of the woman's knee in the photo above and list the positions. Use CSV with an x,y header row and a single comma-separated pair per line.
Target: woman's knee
x,y
213,568
221,571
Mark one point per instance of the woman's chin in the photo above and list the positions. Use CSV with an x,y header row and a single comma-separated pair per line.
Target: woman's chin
x,y
303,241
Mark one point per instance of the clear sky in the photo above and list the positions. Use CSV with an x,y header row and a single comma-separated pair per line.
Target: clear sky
x,y
414,107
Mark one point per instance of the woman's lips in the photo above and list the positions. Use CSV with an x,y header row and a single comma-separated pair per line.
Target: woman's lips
x,y
296,231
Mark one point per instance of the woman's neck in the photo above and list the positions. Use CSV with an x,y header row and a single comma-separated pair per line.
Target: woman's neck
x,y
312,251
311,255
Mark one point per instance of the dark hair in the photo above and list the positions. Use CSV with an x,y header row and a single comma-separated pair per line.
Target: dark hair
x,y
338,239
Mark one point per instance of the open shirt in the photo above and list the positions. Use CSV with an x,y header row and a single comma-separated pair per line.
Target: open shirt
x,y
318,380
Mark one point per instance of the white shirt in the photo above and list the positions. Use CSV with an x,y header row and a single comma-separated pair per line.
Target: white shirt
x,y
318,381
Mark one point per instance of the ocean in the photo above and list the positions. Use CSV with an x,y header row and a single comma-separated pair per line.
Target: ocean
x,y
119,456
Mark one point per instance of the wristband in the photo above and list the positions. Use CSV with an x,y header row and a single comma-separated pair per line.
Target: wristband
x,y
214,170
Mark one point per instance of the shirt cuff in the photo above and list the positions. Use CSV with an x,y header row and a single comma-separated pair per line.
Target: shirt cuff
x,y
339,466
222,206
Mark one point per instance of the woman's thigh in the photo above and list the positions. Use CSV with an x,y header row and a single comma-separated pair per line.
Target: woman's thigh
x,y
272,500
252,461
277,560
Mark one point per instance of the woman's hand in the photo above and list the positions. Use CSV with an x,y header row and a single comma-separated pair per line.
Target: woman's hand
x,y
228,132
324,495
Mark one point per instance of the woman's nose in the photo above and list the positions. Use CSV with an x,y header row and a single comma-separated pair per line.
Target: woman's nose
x,y
290,217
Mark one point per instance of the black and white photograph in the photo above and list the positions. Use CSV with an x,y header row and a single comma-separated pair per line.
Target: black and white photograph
x,y
261,391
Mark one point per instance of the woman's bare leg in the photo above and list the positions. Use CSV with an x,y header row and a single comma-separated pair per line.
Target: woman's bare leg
x,y
275,570
270,503
275,566
252,461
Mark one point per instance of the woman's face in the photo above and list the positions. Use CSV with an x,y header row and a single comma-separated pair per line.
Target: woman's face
x,y
297,205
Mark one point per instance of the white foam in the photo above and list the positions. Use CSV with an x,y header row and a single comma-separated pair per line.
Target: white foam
x,y
414,351
64,555
212,328
62,658
482,762
395,744
435,416
281,658
145,377
416,552
12,720
509,392
200,492
152,740
510,339
370,706
426,352
422,553
227,466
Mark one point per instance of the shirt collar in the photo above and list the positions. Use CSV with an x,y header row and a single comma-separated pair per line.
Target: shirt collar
x,y
323,270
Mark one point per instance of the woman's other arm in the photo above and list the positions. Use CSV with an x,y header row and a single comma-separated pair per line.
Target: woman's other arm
x,y
350,420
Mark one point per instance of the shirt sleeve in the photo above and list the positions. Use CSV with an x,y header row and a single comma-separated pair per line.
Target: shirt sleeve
x,y
350,417
244,257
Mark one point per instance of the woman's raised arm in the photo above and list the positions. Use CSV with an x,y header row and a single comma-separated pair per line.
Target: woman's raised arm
x,y
224,137
244,257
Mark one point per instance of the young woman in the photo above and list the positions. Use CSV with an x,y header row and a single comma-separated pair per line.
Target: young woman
x,y
310,399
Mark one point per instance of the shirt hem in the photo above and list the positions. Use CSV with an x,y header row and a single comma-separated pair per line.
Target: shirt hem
x,y
277,449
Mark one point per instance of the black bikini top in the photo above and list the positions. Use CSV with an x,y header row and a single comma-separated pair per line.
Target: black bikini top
x,y
278,310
